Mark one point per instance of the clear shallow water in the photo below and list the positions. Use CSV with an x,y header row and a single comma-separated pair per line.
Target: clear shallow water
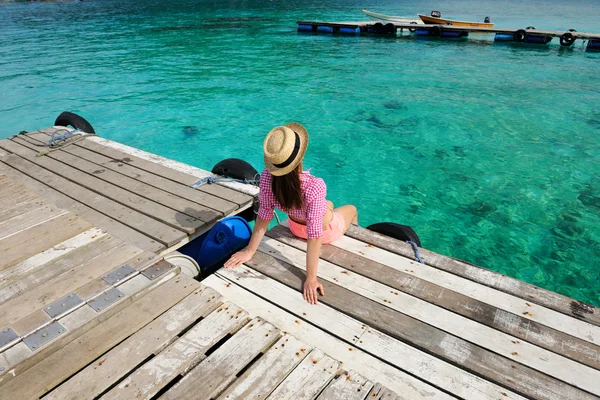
x,y
489,151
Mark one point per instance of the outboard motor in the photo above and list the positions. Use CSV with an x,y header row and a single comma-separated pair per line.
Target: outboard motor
x,y
487,20
436,14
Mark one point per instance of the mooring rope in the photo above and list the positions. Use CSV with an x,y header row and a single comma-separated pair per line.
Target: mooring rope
x,y
56,142
416,250
55,139
212,179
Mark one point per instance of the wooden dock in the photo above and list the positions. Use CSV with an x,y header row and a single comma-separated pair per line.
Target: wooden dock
x,y
85,314
129,193
529,35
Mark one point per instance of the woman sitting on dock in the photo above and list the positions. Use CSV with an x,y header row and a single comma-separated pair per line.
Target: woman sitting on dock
x,y
283,184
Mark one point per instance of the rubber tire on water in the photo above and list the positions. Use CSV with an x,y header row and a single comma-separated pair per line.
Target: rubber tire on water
x,y
396,231
378,27
235,168
67,118
567,39
520,35
239,169
413,30
436,31
390,29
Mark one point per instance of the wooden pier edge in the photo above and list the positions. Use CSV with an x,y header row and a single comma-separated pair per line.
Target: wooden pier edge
x,y
524,290
368,26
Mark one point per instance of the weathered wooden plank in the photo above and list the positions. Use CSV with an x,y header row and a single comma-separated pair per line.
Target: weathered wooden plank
x,y
225,207
499,299
66,255
213,375
77,323
19,203
379,392
350,356
3,153
139,222
28,302
423,365
169,173
16,199
12,191
128,178
512,324
21,207
308,379
486,277
380,315
86,175
28,242
153,338
115,227
26,220
76,243
268,372
181,356
348,386
71,356
53,289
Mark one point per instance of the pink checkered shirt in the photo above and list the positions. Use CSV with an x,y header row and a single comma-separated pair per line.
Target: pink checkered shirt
x,y
314,193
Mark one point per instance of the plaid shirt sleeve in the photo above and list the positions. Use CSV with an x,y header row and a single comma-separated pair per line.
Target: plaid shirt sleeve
x,y
266,197
316,207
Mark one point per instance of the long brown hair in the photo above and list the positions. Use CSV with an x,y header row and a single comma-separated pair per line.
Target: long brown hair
x,y
287,189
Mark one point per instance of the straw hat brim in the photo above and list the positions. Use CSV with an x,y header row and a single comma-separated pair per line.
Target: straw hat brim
x,y
303,134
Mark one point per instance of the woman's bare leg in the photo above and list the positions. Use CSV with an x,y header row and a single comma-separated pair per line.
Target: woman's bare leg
x,y
350,215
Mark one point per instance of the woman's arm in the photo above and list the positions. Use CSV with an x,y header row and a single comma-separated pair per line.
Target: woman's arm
x,y
311,285
260,227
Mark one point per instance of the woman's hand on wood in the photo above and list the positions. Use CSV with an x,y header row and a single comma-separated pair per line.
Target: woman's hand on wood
x,y
238,258
310,291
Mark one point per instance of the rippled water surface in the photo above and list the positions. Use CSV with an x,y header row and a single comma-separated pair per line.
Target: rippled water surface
x,y
489,151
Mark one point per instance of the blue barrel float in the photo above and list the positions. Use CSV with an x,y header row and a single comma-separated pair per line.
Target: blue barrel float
x,y
325,29
213,248
504,37
305,28
349,30
436,31
538,39
453,34
593,45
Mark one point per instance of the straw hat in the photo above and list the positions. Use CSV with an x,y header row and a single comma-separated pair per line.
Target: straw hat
x,y
284,148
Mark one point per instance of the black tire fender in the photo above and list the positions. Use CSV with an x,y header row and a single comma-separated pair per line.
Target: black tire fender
x,y
390,28
413,30
378,27
436,31
67,118
235,168
520,35
239,169
567,39
396,231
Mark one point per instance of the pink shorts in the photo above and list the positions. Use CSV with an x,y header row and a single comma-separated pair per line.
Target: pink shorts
x,y
335,229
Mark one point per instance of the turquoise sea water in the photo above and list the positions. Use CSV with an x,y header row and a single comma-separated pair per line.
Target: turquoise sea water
x,y
489,151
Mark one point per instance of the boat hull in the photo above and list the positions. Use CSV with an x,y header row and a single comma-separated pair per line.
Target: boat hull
x,y
442,21
391,18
